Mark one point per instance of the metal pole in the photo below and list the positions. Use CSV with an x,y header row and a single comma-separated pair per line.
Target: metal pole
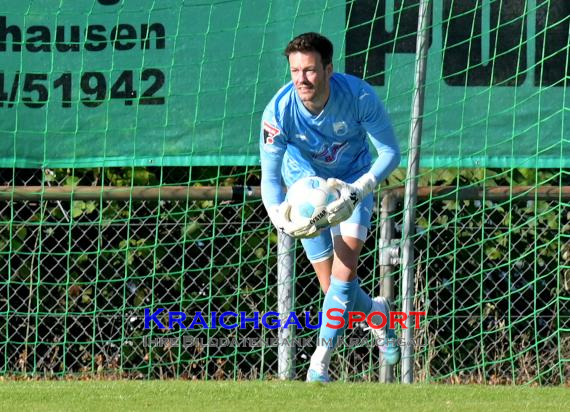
x,y
411,189
241,193
388,206
126,193
286,349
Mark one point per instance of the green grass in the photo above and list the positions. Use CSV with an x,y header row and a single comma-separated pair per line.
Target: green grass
x,y
125,396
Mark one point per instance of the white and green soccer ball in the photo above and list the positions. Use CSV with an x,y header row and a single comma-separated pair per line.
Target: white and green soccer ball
x,y
309,197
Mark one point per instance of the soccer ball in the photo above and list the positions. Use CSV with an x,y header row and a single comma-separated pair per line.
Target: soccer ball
x,y
309,197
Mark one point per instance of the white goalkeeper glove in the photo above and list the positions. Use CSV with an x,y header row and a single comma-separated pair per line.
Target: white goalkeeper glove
x,y
279,215
350,194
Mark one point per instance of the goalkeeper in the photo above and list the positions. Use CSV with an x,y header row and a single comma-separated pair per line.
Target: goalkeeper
x,y
318,125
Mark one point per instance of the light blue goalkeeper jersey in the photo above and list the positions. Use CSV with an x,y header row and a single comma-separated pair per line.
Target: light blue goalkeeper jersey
x,y
295,143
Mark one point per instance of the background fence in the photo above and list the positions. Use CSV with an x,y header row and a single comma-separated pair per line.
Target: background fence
x,y
115,115
492,274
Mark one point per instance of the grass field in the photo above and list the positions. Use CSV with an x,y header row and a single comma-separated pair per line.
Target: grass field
x,y
272,396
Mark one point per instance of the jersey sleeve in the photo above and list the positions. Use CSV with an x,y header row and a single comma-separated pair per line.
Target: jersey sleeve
x,y
376,122
272,145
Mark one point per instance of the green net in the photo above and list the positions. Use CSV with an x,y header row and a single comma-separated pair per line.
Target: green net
x,y
78,271
173,83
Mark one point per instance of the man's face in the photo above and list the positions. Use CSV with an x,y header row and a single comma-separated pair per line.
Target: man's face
x,y
310,78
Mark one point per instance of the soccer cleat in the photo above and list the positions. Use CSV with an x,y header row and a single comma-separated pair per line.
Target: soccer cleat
x,y
314,376
386,337
391,350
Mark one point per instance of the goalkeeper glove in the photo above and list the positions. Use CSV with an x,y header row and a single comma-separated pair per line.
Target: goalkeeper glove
x,y
279,215
350,194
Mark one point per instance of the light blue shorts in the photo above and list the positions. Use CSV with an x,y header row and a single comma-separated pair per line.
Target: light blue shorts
x,y
320,248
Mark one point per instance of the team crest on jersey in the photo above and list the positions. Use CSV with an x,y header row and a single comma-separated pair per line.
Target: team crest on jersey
x,y
269,133
329,153
340,128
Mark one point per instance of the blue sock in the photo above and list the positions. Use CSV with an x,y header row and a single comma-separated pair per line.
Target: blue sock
x,y
341,295
362,301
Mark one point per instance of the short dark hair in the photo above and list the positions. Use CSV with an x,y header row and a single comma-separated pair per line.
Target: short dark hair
x,y
314,42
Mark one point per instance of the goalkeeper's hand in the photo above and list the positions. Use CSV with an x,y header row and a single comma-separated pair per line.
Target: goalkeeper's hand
x,y
279,215
350,194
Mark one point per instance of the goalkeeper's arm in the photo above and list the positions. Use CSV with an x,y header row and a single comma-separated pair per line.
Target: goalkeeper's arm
x,y
353,193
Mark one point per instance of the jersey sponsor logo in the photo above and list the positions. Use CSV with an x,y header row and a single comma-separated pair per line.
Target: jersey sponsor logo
x,y
269,133
329,153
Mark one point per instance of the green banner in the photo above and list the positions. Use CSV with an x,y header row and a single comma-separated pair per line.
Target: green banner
x,y
142,82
